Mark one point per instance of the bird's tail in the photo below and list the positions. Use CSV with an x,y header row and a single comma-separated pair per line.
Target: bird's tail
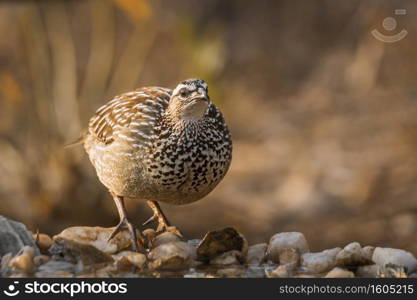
x,y
78,141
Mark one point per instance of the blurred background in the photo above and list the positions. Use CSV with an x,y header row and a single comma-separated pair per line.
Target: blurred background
x,y
323,115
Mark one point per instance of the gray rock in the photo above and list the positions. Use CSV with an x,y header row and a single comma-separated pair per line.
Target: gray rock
x,y
392,271
193,244
55,268
74,252
370,271
354,255
170,256
126,259
339,273
164,238
256,254
282,271
319,262
286,240
14,236
384,256
41,259
290,257
368,252
5,261
97,237
217,242
231,272
232,257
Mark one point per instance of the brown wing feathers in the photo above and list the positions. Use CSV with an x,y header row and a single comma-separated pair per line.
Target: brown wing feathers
x,y
133,113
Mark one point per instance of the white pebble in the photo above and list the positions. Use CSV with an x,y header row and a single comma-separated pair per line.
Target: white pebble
x,y
320,261
384,256
286,240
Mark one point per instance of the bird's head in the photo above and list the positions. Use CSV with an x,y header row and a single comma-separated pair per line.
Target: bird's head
x,y
190,100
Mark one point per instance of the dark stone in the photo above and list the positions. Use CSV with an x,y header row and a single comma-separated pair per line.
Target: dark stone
x,y
73,252
217,242
14,236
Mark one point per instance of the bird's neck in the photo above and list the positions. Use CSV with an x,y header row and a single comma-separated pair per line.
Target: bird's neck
x,y
181,125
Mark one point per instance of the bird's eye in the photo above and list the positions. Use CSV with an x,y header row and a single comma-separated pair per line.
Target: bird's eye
x,y
183,93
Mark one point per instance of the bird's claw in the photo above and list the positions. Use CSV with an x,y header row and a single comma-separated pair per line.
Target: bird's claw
x,y
136,238
119,227
151,219
165,228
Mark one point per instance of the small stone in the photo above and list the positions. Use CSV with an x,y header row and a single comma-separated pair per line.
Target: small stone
x,y
196,263
164,238
112,270
74,252
43,241
232,257
353,255
14,236
320,261
392,271
170,256
256,271
5,261
282,271
384,256
193,249
370,271
18,275
339,273
368,252
194,243
122,264
194,274
286,240
55,268
217,242
149,235
245,246
56,274
97,237
256,254
126,259
23,261
40,260
289,257
231,272
305,276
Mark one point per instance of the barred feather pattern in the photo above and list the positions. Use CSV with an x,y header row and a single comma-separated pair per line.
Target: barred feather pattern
x,y
137,110
192,159
142,151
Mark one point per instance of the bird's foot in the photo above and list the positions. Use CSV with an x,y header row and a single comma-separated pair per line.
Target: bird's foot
x,y
151,219
136,238
163,225
172,229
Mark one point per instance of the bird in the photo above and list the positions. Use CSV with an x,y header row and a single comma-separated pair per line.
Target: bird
x,y
157,144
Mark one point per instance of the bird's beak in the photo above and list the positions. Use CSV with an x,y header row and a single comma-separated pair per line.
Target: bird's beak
x,y
200,97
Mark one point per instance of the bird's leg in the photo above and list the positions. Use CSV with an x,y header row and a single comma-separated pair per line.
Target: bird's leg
x,y
163,223
124,222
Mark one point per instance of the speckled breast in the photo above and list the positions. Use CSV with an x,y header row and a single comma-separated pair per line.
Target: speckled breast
x,y
187,165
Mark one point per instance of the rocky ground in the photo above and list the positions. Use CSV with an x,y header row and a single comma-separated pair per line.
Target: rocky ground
x,y
85,252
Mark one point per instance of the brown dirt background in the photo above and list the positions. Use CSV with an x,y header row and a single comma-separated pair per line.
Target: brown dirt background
x,y
323,115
